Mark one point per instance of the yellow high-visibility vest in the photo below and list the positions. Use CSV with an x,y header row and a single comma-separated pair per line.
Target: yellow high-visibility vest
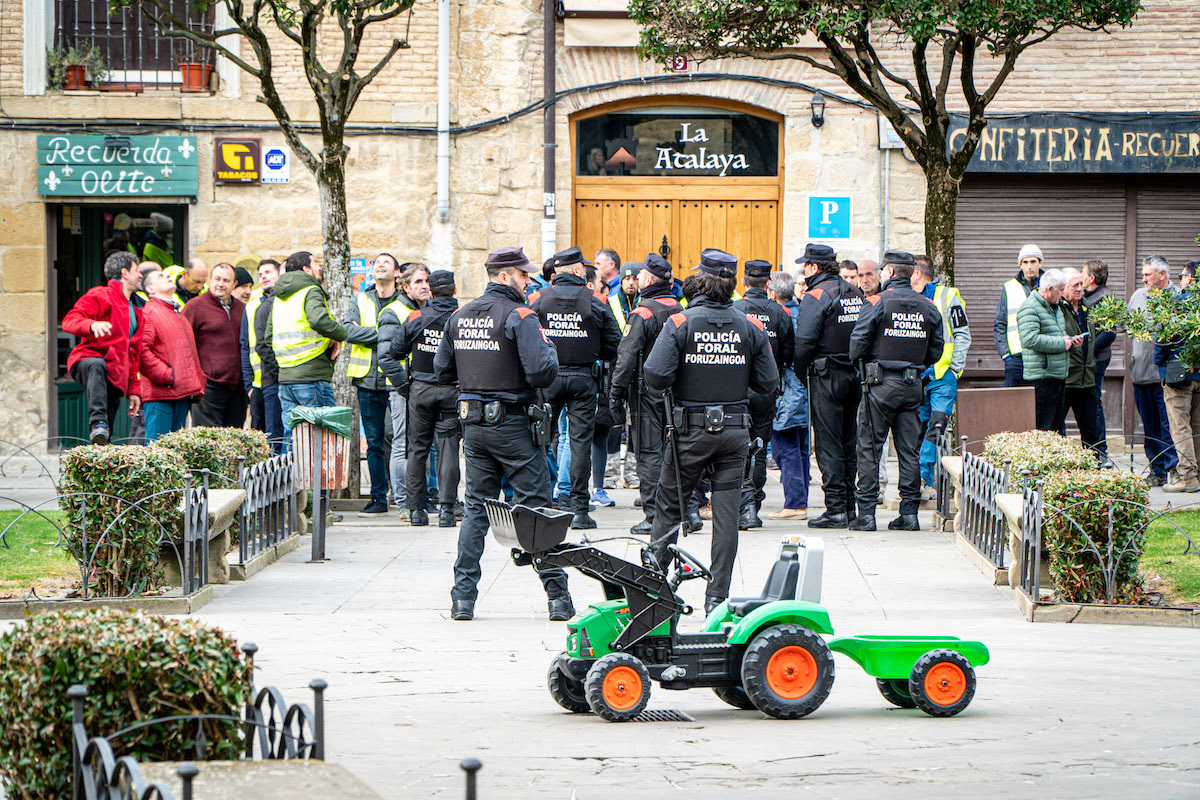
x,y
942,295
614,302
360,354
1016,293
252,339
293,338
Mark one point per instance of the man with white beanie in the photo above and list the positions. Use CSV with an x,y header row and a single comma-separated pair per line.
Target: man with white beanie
x,y
1008,341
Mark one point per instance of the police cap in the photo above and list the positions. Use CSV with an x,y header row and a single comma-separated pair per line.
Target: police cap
x,y
717,262
508,258
898,257
658,266
441,277
817,252
569,258
758,269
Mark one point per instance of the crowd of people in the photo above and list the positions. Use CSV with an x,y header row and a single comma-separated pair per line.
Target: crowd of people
x,y
547,373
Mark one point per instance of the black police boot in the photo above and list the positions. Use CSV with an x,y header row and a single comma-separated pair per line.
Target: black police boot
x,y
862,523
710,603
905,522
561,608
446,517
460,510
694,522
749,518
581,521
462,610
642,528
418,518
828,520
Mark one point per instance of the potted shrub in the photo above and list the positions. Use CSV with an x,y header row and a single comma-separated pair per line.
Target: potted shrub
x,y
69,67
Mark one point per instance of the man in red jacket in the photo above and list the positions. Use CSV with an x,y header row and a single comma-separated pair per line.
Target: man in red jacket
x,y
107,320
171,374
216,320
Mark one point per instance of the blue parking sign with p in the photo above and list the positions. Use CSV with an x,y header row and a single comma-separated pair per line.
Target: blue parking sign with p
x,y
829,216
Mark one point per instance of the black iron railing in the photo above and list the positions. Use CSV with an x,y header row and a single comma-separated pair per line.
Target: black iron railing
x,y
983,524
269,511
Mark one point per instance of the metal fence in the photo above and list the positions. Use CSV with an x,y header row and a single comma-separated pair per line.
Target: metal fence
x,y
271,730
983,523
269,511
1030,555
942,484
136,54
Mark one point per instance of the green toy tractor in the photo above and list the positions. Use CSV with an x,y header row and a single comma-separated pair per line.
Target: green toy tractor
x,y
767,652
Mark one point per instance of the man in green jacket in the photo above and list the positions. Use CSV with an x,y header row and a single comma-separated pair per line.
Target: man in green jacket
x,y
1081,396
304,337
1045,343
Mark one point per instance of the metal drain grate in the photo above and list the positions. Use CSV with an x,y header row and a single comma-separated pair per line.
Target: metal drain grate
x,y
664,715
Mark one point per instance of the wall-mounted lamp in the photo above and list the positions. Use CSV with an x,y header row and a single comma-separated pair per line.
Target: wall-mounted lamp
x,y
115,142
818,110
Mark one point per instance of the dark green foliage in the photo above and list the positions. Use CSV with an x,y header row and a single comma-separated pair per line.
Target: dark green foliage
x,y
135,668
1168,317
217,450
132,499
1037,452
1095,543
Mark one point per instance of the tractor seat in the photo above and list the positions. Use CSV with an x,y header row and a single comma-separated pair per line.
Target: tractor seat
x,y
781,585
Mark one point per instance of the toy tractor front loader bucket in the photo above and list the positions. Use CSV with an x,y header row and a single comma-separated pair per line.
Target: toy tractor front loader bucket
x,y
534,530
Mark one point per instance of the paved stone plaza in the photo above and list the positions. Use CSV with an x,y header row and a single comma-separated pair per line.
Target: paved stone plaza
x,y
1061,711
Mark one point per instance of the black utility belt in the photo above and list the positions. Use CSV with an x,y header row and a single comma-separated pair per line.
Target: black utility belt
x,y
873,373
592,368
713,419
489,412
822,365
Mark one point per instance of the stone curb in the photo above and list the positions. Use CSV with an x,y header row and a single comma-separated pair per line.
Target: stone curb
x,y
1106,615
240,572
998,575
17,609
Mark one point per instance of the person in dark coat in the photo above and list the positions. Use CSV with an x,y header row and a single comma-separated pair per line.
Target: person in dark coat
x,y
216,320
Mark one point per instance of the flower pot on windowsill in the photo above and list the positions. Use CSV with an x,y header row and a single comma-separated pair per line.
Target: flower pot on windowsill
x,y
76,75
196,77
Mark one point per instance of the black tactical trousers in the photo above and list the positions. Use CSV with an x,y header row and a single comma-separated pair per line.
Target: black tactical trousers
x,y
721,456
576,391
651,431
432,411
762,414
493,451
890,406
834,399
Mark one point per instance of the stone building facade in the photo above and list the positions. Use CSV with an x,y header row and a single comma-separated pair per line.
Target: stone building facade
x,y
51,244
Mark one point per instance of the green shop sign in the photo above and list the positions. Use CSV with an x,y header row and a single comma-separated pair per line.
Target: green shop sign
x,y
117,166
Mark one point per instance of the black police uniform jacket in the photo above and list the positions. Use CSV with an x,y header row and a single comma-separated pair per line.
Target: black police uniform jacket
x,y
827,314
777,323
712,354
494,348
421,335
899,328
645,323
581,325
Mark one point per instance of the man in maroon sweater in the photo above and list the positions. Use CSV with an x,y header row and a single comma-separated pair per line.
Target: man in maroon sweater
x,y
216,320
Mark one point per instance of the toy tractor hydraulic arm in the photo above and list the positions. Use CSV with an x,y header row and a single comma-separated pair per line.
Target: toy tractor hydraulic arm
x,y
651,599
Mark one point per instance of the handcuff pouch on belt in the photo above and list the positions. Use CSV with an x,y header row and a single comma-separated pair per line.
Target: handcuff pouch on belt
x,y
476,412
714,419
872,373
911,376
821,366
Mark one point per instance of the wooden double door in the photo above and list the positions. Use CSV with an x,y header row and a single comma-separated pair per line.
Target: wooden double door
x,y
636,219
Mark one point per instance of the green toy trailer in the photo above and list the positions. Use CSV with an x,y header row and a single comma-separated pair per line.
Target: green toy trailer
x,y
766,652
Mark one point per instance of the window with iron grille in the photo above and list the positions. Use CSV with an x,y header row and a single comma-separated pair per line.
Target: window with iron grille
x,y
137,54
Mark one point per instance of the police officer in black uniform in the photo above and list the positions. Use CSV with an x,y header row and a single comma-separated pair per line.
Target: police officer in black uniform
x,y
432,407
898,335
496,350
828,311
643,325
585,332
711,356
778,324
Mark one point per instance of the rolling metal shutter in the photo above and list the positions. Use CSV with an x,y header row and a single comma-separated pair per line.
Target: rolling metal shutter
x,y
1073,219
1168,221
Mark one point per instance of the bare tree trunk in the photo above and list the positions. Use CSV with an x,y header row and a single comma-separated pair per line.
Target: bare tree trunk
x,y
331,187
941,207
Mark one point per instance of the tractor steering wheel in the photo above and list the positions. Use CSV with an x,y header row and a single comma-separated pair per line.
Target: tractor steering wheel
x,y
689,566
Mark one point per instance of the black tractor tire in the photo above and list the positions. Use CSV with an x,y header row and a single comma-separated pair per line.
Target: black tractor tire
x,y
617,687
895,691
566,691
734,695
942,683
787,671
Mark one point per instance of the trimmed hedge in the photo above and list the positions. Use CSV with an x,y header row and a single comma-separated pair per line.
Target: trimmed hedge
x,y
135,668
1083,498
217,450
127,560
1040,452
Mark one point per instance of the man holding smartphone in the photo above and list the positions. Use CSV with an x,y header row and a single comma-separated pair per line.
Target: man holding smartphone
x,y
1081,369
1045,344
